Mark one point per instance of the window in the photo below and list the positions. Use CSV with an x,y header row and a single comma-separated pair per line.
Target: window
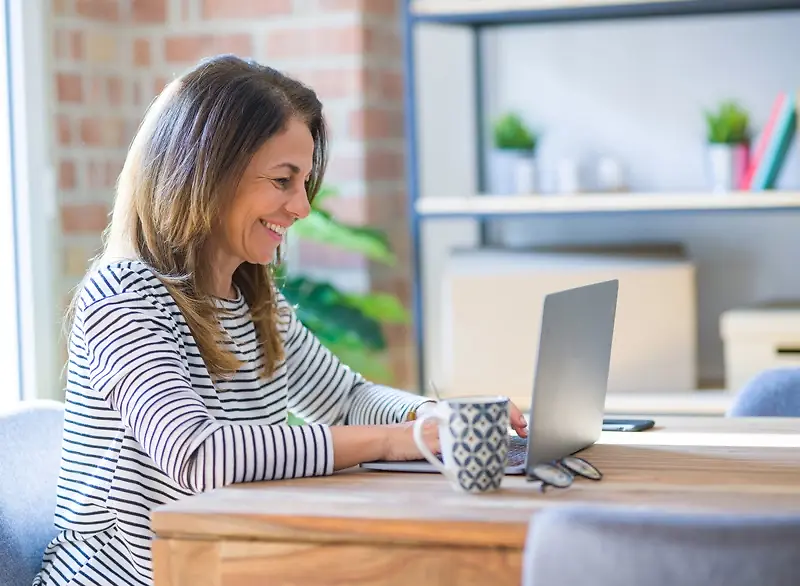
x,y
28,325
10,390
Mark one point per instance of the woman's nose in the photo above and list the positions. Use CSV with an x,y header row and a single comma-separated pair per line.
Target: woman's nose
x,y
298,204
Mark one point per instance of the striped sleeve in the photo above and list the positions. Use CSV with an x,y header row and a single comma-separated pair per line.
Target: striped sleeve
x,y
323,389
136,366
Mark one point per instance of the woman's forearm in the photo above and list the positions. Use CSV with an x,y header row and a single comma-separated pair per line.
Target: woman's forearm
x,y
355,444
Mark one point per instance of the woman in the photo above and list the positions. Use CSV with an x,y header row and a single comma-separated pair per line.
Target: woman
x,y
183,358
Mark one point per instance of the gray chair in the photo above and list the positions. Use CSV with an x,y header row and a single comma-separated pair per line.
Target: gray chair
x,y
572,545
30,452
772,393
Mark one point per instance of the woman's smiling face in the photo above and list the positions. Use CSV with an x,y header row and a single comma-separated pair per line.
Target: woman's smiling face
x,y
269,198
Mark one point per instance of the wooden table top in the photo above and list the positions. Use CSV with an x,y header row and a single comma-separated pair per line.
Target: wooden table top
x,y
697,463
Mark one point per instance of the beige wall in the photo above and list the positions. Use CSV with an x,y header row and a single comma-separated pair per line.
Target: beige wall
x,y
111,57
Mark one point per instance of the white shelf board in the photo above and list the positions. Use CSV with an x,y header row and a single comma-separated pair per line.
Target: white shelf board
x,y
492,205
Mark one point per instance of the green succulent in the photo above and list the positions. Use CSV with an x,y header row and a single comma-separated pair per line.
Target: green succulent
x,y
511,133
730,124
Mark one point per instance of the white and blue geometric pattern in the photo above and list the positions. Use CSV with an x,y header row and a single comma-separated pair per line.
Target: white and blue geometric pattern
x,y
480,444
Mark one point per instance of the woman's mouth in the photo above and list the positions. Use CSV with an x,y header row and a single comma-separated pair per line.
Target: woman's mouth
x,y
275,230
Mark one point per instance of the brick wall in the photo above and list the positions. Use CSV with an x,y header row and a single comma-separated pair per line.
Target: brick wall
x,y
111,57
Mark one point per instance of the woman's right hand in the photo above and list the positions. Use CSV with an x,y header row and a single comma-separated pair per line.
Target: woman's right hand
x,y
400,444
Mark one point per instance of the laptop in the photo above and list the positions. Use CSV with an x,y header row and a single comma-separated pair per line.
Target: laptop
x,y
569,388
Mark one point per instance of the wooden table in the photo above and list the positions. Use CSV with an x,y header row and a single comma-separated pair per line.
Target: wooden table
x,y
357,527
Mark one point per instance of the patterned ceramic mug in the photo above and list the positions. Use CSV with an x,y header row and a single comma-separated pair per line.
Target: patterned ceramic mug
x,y
473,434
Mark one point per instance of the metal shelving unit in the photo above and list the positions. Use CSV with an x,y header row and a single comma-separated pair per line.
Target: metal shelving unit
x,y
478,15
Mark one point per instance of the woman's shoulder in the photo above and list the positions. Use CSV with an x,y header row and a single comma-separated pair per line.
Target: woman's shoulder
x,y
114,280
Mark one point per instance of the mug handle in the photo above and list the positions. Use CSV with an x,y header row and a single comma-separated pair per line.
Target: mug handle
x,y
441,414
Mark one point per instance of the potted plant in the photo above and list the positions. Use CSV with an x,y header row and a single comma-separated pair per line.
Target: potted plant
x,y
512,170
513,157
728,137
348,323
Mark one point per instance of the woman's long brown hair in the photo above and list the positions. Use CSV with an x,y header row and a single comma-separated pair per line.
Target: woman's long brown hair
x,y
183,167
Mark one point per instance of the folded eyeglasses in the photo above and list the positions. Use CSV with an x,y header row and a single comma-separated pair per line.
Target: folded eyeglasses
x,y
561,473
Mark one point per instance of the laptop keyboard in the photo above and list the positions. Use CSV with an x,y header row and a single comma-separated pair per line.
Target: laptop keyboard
x,y
517,448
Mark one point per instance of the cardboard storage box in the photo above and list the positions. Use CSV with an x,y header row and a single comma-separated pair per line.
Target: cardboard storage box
x,y
491,314
759,338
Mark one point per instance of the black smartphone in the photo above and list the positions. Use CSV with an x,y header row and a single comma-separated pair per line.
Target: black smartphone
x,y
627,424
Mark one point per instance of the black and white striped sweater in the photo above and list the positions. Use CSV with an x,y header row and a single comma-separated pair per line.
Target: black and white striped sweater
x,y
145,424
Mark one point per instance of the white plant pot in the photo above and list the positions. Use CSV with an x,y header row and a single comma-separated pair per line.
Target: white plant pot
x,y
726,165
511,173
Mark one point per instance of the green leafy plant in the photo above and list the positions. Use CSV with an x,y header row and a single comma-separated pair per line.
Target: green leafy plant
x,y
511,133
730,124
349,324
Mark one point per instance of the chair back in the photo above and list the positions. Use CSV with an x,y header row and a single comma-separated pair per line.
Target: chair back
x,y
30,455
609,546
770,393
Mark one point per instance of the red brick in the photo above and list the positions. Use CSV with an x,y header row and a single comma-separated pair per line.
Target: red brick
x,y
402,361
385,209
376,123
69,87
341,5
67,175
338,82
84,218
392,85
116,90
107,10
190,48
347,40
380,42
64,129
379,7
91,131
383,165
109,132
396,335
214,9
141,52
77,44
149,11
158,85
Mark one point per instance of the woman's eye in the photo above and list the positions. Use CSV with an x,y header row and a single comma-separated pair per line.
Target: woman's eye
x,y
282,182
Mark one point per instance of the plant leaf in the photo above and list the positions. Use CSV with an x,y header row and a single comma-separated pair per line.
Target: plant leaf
x,y
382,307
325,192
320,226
326,312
